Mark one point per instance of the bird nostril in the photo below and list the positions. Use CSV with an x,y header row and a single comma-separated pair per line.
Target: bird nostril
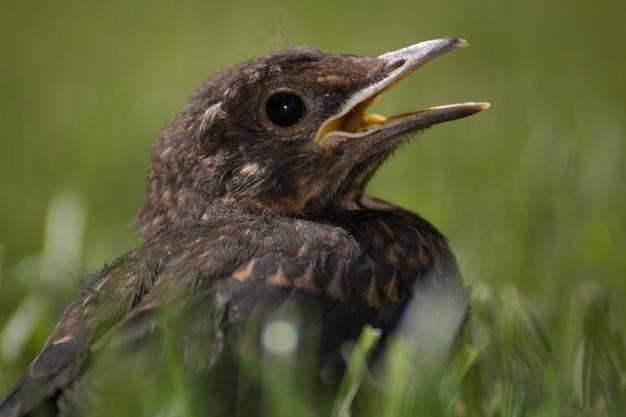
x,y
396,64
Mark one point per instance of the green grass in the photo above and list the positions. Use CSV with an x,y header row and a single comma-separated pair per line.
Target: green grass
x,y
530,193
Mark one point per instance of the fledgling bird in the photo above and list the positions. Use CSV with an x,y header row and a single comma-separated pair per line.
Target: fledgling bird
x,y
255,202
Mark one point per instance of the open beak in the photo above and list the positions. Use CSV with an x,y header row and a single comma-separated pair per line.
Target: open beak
x,y
352,121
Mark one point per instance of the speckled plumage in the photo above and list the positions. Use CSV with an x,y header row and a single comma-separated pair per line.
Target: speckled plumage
x,y
243,217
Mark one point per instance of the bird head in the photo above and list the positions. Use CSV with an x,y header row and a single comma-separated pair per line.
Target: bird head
x,y
288,133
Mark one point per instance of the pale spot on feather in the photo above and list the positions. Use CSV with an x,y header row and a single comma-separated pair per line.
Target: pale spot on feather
x,y
278,278
274,69
330,79
209,115
386,228
64,339
166,152
206,162
392,288
86,301
422,256
303,250
245,273
253,76
392,257
100,283
371,294
250,169
307,281
334,287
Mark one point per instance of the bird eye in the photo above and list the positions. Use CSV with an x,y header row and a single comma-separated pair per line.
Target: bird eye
x,y
284,108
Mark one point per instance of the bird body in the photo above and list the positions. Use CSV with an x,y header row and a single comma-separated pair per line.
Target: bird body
x,y
255,202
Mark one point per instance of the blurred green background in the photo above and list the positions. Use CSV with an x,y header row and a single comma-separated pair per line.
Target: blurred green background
x,y
531,193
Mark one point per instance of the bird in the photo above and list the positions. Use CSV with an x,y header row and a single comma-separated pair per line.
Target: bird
x,y
255,204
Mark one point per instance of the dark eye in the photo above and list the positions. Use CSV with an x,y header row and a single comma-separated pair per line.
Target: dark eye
x,y
284,109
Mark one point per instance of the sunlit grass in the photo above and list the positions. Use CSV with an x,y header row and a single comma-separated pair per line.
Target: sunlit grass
x,y
512,359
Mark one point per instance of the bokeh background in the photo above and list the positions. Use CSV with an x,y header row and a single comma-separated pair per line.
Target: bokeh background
x,y
532,193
